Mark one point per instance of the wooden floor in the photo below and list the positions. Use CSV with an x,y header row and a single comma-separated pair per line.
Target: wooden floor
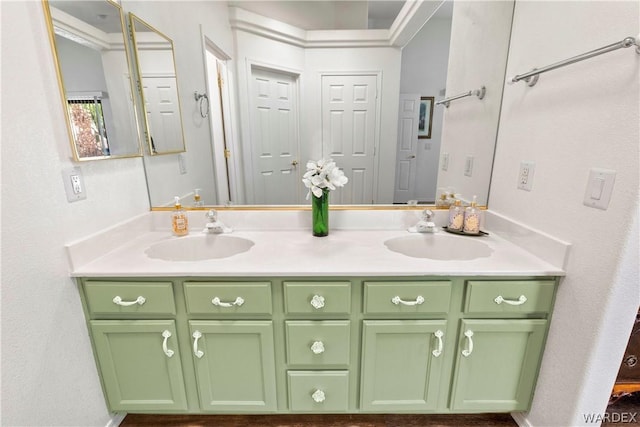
x,y
484,420
629,405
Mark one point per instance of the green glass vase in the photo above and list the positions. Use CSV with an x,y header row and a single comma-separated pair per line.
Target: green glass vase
x,y
320,214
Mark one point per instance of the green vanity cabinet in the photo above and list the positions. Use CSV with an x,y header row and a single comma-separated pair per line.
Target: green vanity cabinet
x,y
497,364
234,364
265,345
500,344
140,364
401,365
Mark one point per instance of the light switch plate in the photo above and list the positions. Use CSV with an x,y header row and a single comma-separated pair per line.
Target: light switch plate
x,y
74,184
599,188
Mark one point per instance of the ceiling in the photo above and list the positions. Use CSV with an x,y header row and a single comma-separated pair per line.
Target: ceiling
x,y
101,15
327,15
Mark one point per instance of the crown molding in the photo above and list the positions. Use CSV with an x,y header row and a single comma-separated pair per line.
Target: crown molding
x,y
411,18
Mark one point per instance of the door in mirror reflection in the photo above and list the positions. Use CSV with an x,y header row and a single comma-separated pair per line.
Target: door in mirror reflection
x,y
159,83
349,135
274,138
94,74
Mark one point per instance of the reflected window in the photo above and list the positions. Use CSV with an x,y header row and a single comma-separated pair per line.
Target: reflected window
x,y
87,125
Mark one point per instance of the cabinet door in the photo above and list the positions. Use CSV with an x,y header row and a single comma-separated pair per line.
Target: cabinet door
x,y
235,366
401,364
140,364
497,364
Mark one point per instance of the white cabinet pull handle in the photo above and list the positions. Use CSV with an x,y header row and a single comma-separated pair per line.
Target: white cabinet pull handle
x,y
397,300
469,350
317,302
500,299
118,301
238,302
317,347
196,336
166,334
318,396
437,352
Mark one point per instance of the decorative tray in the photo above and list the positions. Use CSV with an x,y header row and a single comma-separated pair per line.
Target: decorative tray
x,y
462,233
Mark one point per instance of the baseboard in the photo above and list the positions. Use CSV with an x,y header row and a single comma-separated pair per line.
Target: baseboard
x,y
116,419
521,419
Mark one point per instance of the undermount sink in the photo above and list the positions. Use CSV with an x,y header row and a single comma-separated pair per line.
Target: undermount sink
x,y
199,247
438,246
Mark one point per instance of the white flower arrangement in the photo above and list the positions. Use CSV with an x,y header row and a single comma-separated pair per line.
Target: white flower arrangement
x,y
321,175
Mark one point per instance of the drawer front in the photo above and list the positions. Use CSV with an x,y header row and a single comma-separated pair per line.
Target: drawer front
x,y
228,298
318,343
130,299
318,391
509,296
406,297
318,298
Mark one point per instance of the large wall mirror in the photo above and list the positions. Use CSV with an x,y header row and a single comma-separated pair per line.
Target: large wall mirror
x,y
88,40
280,50
159,88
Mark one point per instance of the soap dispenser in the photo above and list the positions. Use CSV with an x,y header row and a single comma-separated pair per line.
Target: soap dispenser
x,y
472,217
456,216
442,201
179,220
197,200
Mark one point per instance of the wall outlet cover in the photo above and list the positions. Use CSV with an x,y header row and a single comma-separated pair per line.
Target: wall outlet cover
x,y
468,166
444,164
74,184
525,176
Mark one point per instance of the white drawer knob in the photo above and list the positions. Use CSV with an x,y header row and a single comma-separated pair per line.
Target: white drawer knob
x,y
317,302
317,347
318,396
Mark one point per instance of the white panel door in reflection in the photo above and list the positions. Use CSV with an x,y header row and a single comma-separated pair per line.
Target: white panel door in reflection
x,y
349,110
274,138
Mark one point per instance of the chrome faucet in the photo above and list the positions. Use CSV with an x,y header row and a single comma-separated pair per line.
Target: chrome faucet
x,y
214,226
426,224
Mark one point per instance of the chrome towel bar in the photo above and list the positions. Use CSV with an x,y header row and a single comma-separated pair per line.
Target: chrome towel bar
x,y
480,93
532,76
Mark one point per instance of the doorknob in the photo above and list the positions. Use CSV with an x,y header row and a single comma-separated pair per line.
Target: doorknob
x,y
413,156
294,163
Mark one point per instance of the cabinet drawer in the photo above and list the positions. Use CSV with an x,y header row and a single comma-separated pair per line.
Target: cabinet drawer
x,y
318,391
320,298
509,296
318,343
406,297
228,298
130,299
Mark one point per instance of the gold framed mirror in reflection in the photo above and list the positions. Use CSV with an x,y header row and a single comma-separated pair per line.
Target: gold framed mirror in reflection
x,y
158,83
92,63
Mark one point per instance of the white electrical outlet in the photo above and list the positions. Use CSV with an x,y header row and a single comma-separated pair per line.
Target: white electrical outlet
x,y
182,163
74,184
468,166
525,177
444,164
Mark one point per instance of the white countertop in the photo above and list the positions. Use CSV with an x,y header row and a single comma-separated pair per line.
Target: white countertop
x,y
299,253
